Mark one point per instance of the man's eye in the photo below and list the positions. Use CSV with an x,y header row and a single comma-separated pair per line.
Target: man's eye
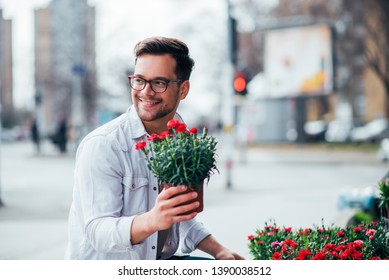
x,y
139,80
159,83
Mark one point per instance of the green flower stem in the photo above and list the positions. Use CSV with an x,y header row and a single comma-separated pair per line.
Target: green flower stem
x,y
198,158
181,136
184,168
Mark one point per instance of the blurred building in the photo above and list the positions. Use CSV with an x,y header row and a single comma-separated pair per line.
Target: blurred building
x,y
354,81
65,67
6,78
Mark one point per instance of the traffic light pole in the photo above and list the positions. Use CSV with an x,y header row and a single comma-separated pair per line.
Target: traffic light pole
x,y
229,96
1,202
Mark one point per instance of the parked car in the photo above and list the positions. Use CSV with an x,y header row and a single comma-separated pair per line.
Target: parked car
x,y
16,133
383,151
338,131
315,130
358,204
361,203
372,131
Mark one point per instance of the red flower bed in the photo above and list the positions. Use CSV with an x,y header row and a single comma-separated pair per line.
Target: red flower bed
x,y
367,241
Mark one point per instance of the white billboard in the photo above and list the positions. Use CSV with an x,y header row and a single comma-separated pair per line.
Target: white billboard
x,y
298,61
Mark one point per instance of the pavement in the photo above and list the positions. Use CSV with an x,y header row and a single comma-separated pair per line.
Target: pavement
x,y
295,186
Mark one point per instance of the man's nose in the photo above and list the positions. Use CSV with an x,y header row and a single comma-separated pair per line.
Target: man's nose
x,y
147,89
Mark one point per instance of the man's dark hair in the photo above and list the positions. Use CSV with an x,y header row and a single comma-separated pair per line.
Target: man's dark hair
x,y
174,47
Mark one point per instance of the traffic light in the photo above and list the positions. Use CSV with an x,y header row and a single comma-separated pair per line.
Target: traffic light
x,y
240,83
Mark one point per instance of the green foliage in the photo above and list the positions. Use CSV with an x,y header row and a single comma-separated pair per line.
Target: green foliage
x,y
366,241
383,199
362,217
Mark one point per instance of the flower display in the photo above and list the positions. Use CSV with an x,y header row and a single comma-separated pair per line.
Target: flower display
x,y
367,241
179,156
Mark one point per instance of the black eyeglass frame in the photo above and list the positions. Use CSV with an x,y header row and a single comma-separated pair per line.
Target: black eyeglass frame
x,y
150,82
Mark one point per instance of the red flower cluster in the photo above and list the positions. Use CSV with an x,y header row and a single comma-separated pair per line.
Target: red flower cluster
x,y
365,241
172,124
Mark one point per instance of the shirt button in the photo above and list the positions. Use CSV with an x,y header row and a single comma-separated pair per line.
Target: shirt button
x,y
133,186
153,247
155,188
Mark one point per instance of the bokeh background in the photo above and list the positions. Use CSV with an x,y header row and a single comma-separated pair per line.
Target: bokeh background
x,y
295,91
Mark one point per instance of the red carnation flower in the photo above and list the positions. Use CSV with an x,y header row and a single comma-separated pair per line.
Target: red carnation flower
x,y
356,255
305,231
341,248
303,254
357,229
288,229
140,145
320,256
329,247
290,243
164,134
345,254
340,234
153,137
276,256
193,130
172,124
181,128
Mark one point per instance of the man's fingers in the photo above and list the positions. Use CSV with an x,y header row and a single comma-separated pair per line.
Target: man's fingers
x,y
184,217
176,196
170,191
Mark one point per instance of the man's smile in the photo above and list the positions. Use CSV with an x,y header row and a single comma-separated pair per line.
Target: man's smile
x,y
148,102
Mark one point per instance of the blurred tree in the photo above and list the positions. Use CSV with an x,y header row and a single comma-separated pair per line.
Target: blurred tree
x,y
349,54
377,50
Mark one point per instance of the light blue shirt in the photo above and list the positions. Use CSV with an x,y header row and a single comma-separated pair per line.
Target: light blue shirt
x,y
112,185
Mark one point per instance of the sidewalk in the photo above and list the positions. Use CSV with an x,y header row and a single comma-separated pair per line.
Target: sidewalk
x,y
297,188
36,192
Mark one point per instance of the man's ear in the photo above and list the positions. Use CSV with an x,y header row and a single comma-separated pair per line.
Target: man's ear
x,y
184,89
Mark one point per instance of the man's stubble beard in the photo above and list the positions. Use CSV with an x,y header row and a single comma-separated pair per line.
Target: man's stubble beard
x,y
161,113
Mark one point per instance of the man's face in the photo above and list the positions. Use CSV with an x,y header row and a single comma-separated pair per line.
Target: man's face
x,y
152,106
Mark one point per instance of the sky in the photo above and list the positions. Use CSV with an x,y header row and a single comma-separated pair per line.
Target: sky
x,y
120,24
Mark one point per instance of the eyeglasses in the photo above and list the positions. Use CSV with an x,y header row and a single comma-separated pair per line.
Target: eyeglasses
x,y
157,85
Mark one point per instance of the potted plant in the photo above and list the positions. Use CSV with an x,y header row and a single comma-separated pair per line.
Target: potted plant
x,y
366,241
180,157
383,196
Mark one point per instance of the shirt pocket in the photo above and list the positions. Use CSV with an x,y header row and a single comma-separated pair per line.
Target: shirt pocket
x,y
134,195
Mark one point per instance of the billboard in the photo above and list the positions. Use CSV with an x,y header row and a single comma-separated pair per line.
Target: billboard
x,y
298,61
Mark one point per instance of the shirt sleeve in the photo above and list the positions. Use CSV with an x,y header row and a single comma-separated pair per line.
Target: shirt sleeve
x,y
191,234
99,191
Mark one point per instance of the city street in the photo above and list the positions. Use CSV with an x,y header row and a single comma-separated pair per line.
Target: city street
x,y
295,186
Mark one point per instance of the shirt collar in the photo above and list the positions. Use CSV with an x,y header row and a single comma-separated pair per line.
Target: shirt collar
x,y
137,130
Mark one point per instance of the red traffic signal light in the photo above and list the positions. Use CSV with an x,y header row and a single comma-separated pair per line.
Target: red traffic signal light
x,y
240,84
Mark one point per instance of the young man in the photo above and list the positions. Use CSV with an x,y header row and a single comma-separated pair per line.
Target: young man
x,y
117,210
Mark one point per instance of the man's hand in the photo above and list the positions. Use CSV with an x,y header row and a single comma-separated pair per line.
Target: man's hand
x,y
169,208
211,246
226,254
